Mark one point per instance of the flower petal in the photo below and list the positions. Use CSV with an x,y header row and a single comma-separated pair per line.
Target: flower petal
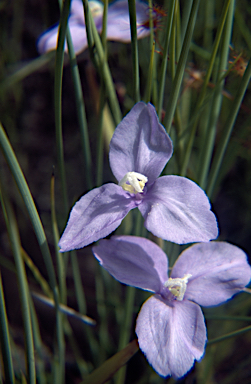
x,y
134,261
118,22
78,36
77,12
140,144
76,23
219,270
95,216
171,334
178,210
48,40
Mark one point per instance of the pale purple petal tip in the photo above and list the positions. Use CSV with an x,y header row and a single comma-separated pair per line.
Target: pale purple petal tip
x,y
140,144
178,210
76,22
48,41
172,335
133,261
219,270
95,216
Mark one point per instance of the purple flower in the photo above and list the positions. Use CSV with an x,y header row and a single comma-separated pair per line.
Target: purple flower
x,y
118,24
174,207
170,326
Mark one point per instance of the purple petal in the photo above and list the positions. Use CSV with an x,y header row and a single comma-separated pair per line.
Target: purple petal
x,y
219,270
140,144
77,12
171,334
118,22
76,22
78,36
95,216
48,41
133,261
178,210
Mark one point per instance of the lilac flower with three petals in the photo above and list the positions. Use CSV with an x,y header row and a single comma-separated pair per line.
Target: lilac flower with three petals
x,y
118,24
174,207
170,326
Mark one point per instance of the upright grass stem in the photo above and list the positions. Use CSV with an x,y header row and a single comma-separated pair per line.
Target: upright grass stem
x,y
135,54
126,325
227,130
165,55
30,206
58,98
79,101
59,257
5,340
208,138
35,220
126,331
12,229
173,99
204,87
98,55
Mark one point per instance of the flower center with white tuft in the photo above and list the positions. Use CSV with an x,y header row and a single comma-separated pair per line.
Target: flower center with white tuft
x,y
133,182
178,286
96,8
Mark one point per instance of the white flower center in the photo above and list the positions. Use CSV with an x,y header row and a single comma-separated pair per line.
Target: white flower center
x,y
178,286
96,8
133,182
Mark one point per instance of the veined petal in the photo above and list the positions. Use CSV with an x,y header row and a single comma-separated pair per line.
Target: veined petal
x,y
140,144
118,21
95,216
133,261
219,270
171,334
178,210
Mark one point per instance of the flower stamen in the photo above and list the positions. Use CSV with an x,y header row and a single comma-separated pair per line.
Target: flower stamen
x,y
96,8
133,182
178,286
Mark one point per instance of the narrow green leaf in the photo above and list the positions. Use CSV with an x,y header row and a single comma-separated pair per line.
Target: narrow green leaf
x,y
111,366
13,233
134,43
8,372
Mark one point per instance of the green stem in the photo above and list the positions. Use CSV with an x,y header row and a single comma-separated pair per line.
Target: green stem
x,y
209,138
98,55
30,206
134,43
165,55
227,130
34,217
225,317
59,256
229,335
126,329
5,340
173,99
204,87
58,98
12,229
